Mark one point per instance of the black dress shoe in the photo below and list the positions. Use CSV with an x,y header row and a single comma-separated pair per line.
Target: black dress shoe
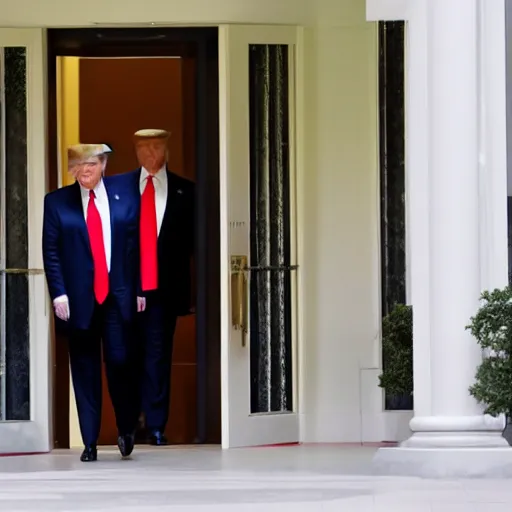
x,y
90,454
125,444
157,438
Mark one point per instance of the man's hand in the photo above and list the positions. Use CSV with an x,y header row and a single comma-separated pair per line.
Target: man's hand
x,y
61,307
141,304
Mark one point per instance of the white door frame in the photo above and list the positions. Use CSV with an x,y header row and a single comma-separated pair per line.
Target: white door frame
x,y
37,433
34,435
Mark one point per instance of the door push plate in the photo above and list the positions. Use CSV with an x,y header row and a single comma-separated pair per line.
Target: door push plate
x,y
239,295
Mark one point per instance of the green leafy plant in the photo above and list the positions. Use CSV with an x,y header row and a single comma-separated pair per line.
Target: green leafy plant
x,y
397,377
492,329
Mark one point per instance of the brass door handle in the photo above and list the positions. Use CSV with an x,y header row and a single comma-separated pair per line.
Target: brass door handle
x,y
239,294
25,271
272,268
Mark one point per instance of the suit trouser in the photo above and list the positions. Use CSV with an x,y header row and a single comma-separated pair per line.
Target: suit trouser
x,y
158,325
107,325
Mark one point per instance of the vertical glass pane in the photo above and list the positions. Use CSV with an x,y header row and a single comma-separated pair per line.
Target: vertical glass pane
x,y
14,348
392,176
270,300
508,34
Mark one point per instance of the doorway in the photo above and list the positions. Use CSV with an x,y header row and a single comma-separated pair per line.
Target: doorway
x,y
104,84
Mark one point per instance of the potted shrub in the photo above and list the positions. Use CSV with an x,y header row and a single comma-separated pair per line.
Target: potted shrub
x,y
492,328
397,377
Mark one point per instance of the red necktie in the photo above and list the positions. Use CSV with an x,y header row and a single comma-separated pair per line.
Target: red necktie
x,y
148,238
95,230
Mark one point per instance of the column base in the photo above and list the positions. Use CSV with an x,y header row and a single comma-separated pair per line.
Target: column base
x,y
449,447
444,462
457,439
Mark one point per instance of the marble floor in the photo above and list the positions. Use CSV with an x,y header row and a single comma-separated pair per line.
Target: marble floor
x,y
308,478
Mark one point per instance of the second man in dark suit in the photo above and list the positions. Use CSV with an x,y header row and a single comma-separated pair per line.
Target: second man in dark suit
x,y
166,246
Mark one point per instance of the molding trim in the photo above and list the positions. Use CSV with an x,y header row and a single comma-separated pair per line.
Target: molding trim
x,y
387,10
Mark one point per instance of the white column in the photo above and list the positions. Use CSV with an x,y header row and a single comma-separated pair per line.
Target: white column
x,y
454,219
454,243
447,144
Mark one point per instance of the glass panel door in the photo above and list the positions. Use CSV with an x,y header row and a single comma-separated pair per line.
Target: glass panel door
x,y
259,271
24,333
14,348
270,237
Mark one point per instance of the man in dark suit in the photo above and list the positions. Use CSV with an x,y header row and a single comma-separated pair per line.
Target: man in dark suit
x,y
90,253
166,244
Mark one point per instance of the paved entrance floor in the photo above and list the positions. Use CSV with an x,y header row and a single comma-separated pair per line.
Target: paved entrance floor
x,y
309,478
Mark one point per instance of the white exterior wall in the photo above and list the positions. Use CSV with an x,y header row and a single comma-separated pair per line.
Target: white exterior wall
x,y
337,190
341,262
77,13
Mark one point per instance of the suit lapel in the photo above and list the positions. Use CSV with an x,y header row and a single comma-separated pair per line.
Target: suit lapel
x,y
112,208
77,209
168,207
173,198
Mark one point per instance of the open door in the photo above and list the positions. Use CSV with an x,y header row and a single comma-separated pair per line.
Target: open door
x,y
24,312
257,70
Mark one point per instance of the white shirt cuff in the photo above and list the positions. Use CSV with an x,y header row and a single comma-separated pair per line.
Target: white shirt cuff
x,y
60,299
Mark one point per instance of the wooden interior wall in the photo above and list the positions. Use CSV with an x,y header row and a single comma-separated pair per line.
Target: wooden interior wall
x,y
118,97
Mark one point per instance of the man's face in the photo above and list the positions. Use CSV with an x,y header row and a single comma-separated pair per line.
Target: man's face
x,y
89,173
151,154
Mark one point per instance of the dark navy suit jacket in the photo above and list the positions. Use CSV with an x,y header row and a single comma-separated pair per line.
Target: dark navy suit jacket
x,y
67,254
175,242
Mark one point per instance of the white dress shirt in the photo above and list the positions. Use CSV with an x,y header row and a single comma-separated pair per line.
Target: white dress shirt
x,y
160,183
102,204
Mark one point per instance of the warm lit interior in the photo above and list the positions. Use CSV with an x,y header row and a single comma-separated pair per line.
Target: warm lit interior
x,y
106,100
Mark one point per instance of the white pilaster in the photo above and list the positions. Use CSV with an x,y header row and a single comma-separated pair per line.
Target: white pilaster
x,y
493,170
455,161
417,198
